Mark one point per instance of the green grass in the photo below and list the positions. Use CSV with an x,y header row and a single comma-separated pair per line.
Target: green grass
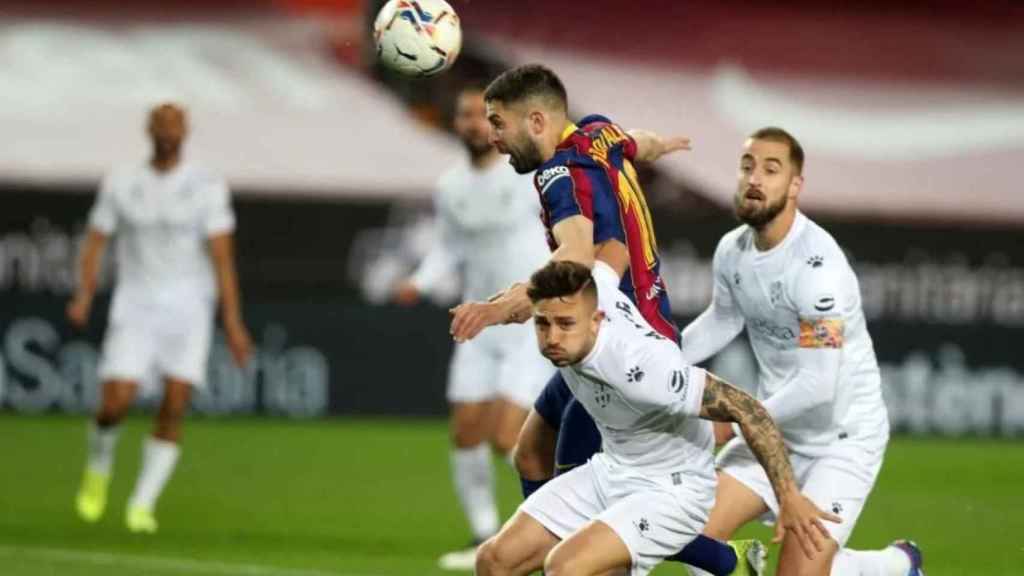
x,y
373,498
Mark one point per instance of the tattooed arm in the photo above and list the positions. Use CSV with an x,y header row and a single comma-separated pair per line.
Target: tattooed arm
x,y
723,402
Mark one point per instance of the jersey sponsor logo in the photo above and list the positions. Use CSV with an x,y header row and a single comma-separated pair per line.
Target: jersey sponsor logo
x,y
545,178
774,331
679,383
821,333
824,303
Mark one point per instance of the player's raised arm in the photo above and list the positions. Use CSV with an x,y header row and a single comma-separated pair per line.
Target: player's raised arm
x,y
651,146
723,402
575,243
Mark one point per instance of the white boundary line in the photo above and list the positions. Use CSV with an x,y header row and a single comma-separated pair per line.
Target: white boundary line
x,y
168,563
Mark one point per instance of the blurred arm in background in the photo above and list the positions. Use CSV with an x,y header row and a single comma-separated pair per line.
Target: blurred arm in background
x,y
222,252
88,276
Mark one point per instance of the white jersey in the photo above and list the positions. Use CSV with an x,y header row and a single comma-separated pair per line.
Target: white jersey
x,y
802,297
644,399
161,223
490,231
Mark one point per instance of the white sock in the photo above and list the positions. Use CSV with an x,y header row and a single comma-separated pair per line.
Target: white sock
x,y
887,562
100,448
474,485
158,460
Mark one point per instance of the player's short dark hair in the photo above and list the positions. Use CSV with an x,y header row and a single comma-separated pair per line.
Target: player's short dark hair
x,y
776,134
528,81
560,279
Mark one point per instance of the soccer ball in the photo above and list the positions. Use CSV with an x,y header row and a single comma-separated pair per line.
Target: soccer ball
x,y
417,37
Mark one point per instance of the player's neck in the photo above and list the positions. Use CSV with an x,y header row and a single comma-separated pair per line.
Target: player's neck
x,y
485,160
552,139
165,162
774,232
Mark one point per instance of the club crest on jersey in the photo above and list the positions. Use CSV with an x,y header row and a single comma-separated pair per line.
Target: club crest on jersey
x,y
547,177
815,261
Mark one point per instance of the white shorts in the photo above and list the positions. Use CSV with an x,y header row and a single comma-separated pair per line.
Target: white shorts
x,y
145,345
502,361
838,482
654,519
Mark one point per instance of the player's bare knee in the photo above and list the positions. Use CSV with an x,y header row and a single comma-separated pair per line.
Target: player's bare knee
x,y
488,559
558,563
529,463
505,442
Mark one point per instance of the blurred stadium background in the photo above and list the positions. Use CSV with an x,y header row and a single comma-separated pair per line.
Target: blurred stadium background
x,y
328,456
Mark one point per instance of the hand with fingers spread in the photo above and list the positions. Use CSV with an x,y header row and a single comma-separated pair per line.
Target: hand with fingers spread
x,y
802,518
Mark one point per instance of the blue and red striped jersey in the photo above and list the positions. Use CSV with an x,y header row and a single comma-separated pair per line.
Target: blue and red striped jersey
x,y
592,174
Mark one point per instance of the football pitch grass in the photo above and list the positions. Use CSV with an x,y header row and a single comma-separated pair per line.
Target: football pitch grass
x,y
373,498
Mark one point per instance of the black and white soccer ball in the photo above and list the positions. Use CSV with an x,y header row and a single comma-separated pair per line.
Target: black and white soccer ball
x,y
417,37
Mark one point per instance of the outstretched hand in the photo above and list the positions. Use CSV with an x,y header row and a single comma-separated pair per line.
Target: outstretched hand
x,y
802,518
675,144
470,318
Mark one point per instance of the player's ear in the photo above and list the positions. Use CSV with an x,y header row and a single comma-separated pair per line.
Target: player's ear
x,y
597,318
536,120
796,185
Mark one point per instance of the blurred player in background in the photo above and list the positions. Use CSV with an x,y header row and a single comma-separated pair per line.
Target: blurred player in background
x,y
788,282
593,209
173,227
648,494
489,234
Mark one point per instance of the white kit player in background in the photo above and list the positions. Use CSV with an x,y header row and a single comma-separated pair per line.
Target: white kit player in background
x,y
649,493
788,282
173,227
490,235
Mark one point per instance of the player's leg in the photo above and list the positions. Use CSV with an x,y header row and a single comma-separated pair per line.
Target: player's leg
x,y
519,548
555,511
522,376
508,419
116,399
594,550
182,349
534,454
160,453
126,358
743,494
471,389
635,532
472,472
841,482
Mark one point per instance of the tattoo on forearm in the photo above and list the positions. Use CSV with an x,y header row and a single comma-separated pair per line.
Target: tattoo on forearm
x,y
724,402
